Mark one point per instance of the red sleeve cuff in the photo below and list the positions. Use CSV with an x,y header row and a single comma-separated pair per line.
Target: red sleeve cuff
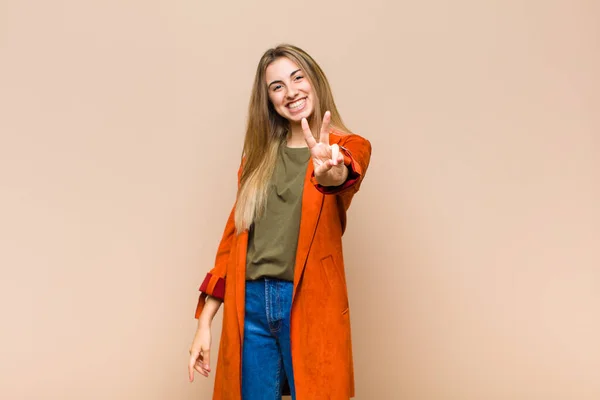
x,y
213,286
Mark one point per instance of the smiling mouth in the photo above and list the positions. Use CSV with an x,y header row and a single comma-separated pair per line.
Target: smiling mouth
x,y
297,105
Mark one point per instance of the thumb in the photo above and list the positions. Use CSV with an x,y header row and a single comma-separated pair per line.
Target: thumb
x,y
335,152
206,358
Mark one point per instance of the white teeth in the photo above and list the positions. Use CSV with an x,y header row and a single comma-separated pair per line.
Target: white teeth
x,y
297,104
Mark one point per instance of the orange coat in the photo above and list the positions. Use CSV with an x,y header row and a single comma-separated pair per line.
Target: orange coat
x,y
320,318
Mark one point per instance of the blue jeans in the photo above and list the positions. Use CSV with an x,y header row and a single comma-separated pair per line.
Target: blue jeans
x,y
266,353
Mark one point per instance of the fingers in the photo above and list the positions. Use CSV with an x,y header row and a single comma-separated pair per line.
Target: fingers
x,y
324,136
199,362
201,370
337,159
206,360
191,364
335,152
324,168
308,137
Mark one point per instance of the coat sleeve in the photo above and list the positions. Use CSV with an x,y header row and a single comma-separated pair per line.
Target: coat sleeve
x,y
214,282
357,155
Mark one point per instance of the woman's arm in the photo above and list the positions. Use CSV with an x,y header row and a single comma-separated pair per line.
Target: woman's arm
x,y
200,348
211,306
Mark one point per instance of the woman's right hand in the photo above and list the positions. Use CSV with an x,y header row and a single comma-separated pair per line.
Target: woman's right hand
x,y
200,352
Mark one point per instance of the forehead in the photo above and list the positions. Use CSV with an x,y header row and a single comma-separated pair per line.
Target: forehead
x,y
280,69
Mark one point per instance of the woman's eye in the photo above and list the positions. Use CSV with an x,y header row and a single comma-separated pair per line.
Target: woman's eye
x,y
298,77
276,88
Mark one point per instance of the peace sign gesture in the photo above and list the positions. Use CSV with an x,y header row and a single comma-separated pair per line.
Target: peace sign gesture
x,y
328,162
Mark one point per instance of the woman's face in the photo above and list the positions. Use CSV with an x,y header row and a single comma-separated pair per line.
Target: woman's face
x,y
289,90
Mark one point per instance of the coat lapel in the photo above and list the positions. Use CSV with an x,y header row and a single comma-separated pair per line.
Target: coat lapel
x,y
312,203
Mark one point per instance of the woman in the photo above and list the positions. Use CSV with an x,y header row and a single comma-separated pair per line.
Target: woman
x,y
279,268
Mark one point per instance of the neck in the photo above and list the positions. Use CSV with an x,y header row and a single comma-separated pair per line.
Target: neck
x,y
295,137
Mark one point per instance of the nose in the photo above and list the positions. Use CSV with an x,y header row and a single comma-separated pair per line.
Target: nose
x,y
292,92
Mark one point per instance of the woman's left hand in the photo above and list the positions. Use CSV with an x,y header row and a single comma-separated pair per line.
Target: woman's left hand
x,y
328,162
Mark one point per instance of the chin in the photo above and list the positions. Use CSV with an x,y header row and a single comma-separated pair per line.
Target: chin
x,y
298,117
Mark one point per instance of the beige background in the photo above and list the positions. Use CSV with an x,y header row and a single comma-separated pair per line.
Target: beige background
x,y
473,247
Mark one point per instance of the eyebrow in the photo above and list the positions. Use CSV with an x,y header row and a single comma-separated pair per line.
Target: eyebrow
x,y
292,74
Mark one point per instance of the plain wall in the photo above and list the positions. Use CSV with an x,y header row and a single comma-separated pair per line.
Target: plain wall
x,y
472,250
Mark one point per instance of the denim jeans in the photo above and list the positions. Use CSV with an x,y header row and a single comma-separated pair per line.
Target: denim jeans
x,y
266,353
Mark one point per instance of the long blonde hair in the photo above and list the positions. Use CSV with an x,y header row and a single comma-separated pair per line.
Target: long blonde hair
x,y
266,131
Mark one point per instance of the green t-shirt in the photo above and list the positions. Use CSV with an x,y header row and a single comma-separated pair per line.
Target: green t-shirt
x,y
273,238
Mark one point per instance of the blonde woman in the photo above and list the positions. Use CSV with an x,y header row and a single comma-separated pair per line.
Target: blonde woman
x,y
279,269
